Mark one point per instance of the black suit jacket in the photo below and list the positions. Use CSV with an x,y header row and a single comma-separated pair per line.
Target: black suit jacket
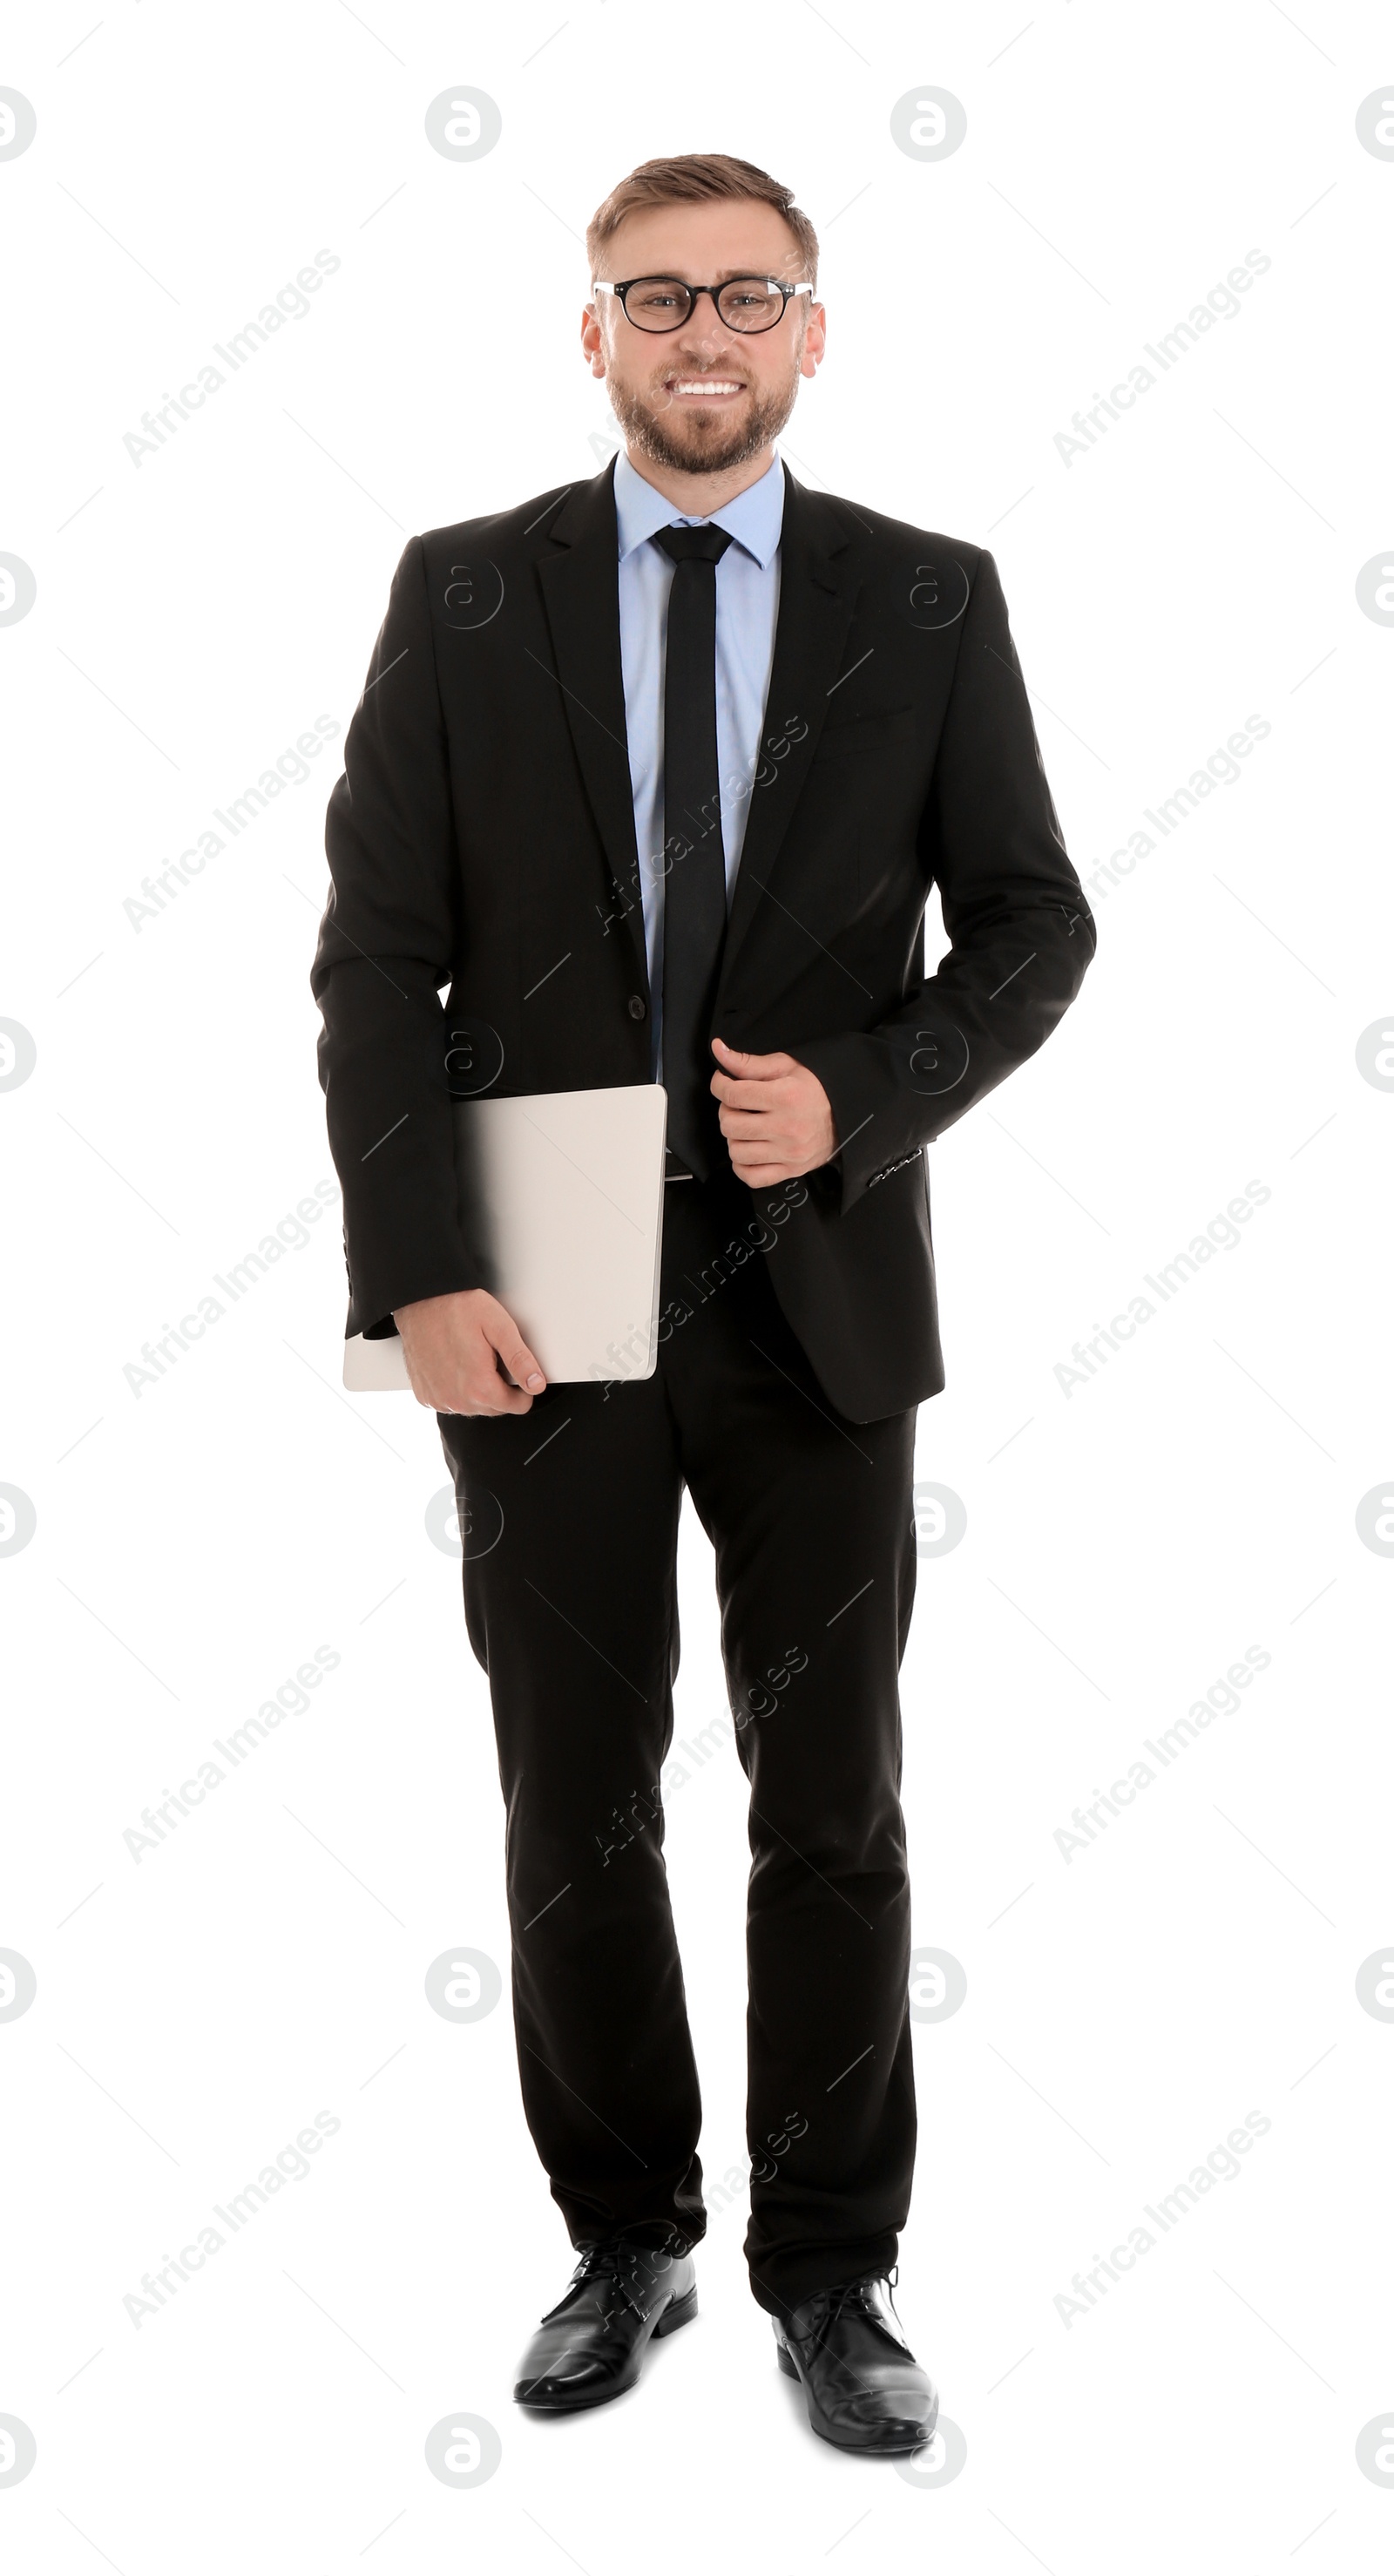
x,y
482,837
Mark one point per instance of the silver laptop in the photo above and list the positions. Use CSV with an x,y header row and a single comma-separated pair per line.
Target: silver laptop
x,y
561,1194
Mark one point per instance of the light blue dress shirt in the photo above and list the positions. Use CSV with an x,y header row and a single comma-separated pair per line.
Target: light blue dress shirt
x,y
747,606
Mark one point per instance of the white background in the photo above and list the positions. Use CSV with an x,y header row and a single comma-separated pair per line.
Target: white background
x,y
1126,1541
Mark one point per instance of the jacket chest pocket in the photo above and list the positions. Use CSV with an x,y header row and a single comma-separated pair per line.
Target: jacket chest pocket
x,y
854,737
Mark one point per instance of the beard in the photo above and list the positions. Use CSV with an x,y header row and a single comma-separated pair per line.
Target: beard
x,y
698,443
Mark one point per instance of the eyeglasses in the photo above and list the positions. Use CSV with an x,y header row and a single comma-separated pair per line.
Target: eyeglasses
x,y
665,303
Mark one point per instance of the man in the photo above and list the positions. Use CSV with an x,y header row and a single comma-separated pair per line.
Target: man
x,y
655,772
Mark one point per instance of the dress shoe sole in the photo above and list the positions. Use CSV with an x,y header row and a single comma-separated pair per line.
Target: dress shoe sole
x,y
882,2444
679,2312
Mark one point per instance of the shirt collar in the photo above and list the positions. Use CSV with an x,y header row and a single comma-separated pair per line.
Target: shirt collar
x,y
754,517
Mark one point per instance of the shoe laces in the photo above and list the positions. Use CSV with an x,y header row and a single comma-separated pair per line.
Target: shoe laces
x,y
617,2262
856,2293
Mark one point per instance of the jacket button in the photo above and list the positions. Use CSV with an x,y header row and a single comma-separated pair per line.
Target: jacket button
x,y
638,1007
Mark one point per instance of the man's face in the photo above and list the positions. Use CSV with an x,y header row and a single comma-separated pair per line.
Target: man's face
x,y
703,398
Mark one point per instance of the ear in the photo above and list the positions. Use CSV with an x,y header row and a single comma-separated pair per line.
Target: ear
x,y
593,340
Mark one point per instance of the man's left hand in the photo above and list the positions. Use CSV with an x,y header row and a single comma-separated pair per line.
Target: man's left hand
x,y
775,1116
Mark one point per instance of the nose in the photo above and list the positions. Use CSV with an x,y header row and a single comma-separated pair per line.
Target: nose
x,y
703,333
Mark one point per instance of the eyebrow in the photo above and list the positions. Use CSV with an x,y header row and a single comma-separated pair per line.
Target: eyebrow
x,y
723,275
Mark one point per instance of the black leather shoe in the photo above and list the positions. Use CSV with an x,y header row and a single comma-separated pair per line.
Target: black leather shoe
x,y
592,2345
865,2391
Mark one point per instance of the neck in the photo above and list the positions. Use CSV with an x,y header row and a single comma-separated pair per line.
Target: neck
x,y
697,495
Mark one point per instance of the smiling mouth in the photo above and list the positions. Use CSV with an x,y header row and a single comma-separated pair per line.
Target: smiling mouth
x,y
704,388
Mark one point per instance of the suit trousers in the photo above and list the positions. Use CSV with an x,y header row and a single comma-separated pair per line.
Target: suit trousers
x,y
569,1517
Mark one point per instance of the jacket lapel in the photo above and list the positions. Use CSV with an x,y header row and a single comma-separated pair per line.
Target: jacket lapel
x,y
580,592
818,581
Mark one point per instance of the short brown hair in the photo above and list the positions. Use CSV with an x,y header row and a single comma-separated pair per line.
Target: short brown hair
x,y
687,177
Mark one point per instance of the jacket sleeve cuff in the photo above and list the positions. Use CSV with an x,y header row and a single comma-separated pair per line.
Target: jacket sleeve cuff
x,y
876,1126
373,1302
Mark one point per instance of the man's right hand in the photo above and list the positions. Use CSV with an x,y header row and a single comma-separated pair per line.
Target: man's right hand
x,y
465,1354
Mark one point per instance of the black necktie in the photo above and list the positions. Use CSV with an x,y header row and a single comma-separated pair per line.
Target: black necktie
x,y
694,902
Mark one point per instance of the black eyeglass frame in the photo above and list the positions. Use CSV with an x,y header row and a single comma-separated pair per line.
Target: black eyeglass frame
x,y
660,277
